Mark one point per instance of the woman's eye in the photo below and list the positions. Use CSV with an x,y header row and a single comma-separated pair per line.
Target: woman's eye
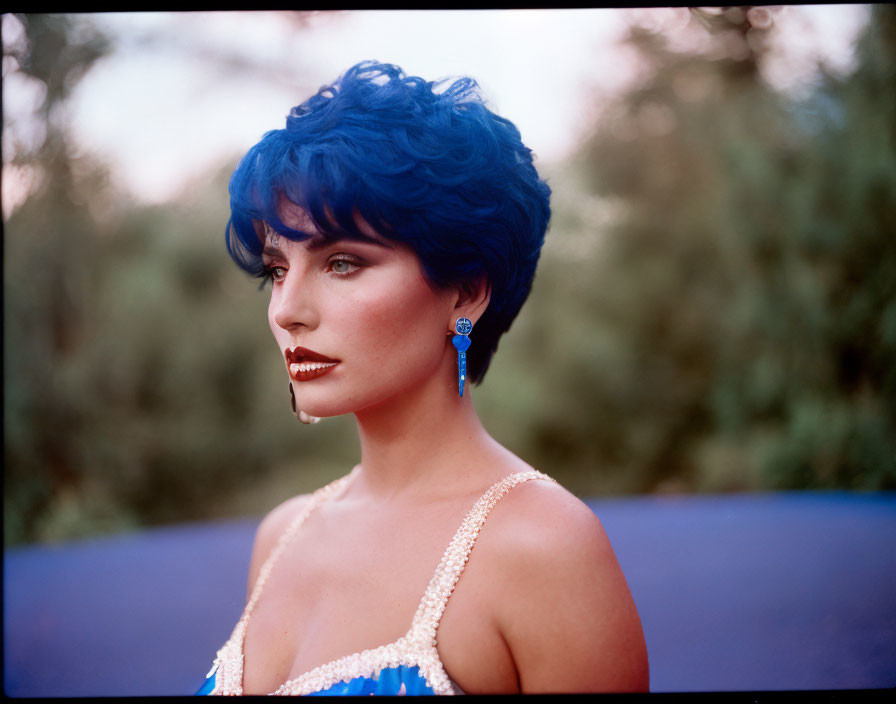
x,y
273,273
343,266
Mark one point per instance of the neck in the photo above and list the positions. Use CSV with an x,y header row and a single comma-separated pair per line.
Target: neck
x,y
423,440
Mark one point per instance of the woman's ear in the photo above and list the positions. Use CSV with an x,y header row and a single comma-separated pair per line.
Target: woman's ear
x,y
473,298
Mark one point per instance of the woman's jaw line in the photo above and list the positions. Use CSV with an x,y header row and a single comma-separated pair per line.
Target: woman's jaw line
x,y
423,406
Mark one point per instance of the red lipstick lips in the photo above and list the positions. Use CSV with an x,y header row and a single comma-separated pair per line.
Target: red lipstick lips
x,y
304,364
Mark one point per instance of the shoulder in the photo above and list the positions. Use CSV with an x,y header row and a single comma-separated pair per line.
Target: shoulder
x,y
546,512
560,599
542,523
272,526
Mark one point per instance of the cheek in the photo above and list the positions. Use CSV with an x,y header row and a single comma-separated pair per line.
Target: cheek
x,y
409,317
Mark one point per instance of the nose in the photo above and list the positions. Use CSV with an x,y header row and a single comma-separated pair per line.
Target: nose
x,y
292,302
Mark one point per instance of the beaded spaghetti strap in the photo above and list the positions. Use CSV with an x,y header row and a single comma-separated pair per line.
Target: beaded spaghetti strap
x,y
432,606
228,664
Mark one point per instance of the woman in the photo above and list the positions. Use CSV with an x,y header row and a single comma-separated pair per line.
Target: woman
x,y
400,227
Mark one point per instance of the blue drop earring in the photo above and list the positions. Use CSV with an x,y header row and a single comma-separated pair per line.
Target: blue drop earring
x,y
461,343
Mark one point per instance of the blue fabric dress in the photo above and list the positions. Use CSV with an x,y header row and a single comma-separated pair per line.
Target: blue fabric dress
x,y
390,682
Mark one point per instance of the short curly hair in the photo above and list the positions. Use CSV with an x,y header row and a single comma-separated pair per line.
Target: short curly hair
x,y
436,170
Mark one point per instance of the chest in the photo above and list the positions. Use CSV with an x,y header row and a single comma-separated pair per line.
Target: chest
x,y
346,584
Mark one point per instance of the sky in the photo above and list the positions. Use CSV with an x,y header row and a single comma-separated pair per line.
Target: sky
x,y
173,100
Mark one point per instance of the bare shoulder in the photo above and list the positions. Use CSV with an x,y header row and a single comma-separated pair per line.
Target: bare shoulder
x,y
544,517
560,599
272,526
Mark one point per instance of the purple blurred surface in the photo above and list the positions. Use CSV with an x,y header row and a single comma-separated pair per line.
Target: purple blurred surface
x,y
738,592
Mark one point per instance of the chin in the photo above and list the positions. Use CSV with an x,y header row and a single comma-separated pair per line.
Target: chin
x,y
328,406
322,409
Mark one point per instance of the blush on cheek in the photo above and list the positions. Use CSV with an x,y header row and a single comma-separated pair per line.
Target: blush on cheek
x,y
401,319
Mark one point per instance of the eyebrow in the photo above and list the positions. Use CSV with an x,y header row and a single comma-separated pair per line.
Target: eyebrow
x,y
316,243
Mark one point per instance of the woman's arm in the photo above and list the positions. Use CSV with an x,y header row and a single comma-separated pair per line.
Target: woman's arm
x,y
564,608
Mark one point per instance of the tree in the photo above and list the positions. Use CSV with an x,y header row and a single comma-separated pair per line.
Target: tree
x,y
49,244
736,313
140,383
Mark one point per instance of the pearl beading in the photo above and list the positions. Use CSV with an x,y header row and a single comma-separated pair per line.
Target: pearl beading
x,y
416,648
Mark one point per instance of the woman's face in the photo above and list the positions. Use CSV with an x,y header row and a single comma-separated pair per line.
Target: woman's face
x,y
356,321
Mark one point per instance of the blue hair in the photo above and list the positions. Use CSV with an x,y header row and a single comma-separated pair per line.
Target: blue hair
x,y
437,171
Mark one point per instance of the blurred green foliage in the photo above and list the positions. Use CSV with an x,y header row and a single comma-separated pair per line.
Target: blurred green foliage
x,y
733,321
715,309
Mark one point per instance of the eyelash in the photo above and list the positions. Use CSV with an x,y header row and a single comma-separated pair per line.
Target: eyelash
x,y
267,276
268,271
